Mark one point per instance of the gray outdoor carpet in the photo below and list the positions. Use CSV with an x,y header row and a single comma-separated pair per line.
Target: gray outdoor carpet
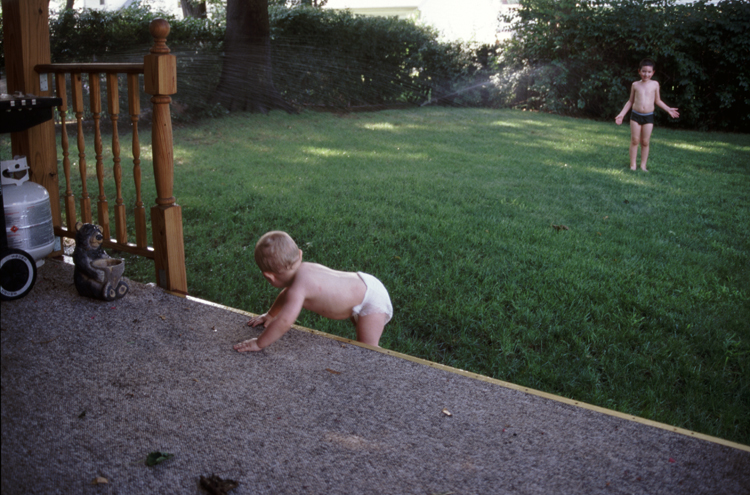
x,y
90,389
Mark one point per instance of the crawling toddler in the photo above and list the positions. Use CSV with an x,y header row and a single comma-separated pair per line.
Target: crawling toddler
x,y
330,293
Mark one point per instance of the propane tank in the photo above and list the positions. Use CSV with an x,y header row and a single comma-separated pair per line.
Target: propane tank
x,y
28,215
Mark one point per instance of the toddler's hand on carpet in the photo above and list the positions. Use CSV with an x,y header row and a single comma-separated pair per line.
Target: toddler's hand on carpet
x,y
263,320
248,346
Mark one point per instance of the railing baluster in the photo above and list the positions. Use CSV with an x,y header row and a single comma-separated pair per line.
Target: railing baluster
x,y
139,211
77,92
113,106
69,199
95,98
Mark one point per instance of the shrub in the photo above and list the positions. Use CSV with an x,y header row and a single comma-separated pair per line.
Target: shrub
x,y
334,58
579,57
123,36
98,35
320,57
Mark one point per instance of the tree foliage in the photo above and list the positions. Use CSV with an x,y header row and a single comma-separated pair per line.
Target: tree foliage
x,y
573,57
320,57
123,36
83,36
579,57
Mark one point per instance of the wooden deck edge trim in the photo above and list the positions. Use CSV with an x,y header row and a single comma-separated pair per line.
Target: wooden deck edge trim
x,y
495,381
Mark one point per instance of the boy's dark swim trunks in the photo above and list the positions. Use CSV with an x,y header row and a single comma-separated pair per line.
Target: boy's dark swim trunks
x,y
642,118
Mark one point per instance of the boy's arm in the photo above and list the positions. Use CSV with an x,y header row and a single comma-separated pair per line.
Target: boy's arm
x,y
657,101
628,105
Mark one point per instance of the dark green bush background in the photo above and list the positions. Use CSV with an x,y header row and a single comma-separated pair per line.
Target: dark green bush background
x,y
338,59
579,57
572,57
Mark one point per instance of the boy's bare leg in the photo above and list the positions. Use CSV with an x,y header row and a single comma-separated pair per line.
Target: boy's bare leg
x,y
646,130
635,140
370,328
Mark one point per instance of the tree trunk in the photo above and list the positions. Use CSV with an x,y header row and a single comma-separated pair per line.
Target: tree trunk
x,y
246,81
194,8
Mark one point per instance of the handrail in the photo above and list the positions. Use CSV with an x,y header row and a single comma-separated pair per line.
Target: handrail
x,y
84,68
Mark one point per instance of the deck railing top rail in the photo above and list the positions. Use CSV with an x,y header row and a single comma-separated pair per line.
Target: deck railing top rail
x,y
89,68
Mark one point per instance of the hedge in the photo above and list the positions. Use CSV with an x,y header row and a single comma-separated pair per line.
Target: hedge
x,y
579,57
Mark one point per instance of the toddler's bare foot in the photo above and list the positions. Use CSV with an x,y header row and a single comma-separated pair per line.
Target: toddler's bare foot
x,y
644,169
633,168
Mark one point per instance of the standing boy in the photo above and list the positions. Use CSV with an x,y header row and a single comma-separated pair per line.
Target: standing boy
x,y
644,95
330,293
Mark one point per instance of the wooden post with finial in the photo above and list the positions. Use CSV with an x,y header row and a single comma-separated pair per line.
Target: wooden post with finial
x,y
160,77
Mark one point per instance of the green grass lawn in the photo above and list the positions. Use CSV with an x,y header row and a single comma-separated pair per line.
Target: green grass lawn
x,y
642,305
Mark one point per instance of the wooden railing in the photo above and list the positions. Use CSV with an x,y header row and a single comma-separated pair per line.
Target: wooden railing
x,y
159,71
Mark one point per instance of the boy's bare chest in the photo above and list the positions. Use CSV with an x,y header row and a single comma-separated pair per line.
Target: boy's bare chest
x,y
645,90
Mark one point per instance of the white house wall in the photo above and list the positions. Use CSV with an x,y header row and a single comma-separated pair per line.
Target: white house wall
x,y
467,20
171,6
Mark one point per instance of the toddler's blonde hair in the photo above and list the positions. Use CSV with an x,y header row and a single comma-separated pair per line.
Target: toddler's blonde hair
x,y
276,252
